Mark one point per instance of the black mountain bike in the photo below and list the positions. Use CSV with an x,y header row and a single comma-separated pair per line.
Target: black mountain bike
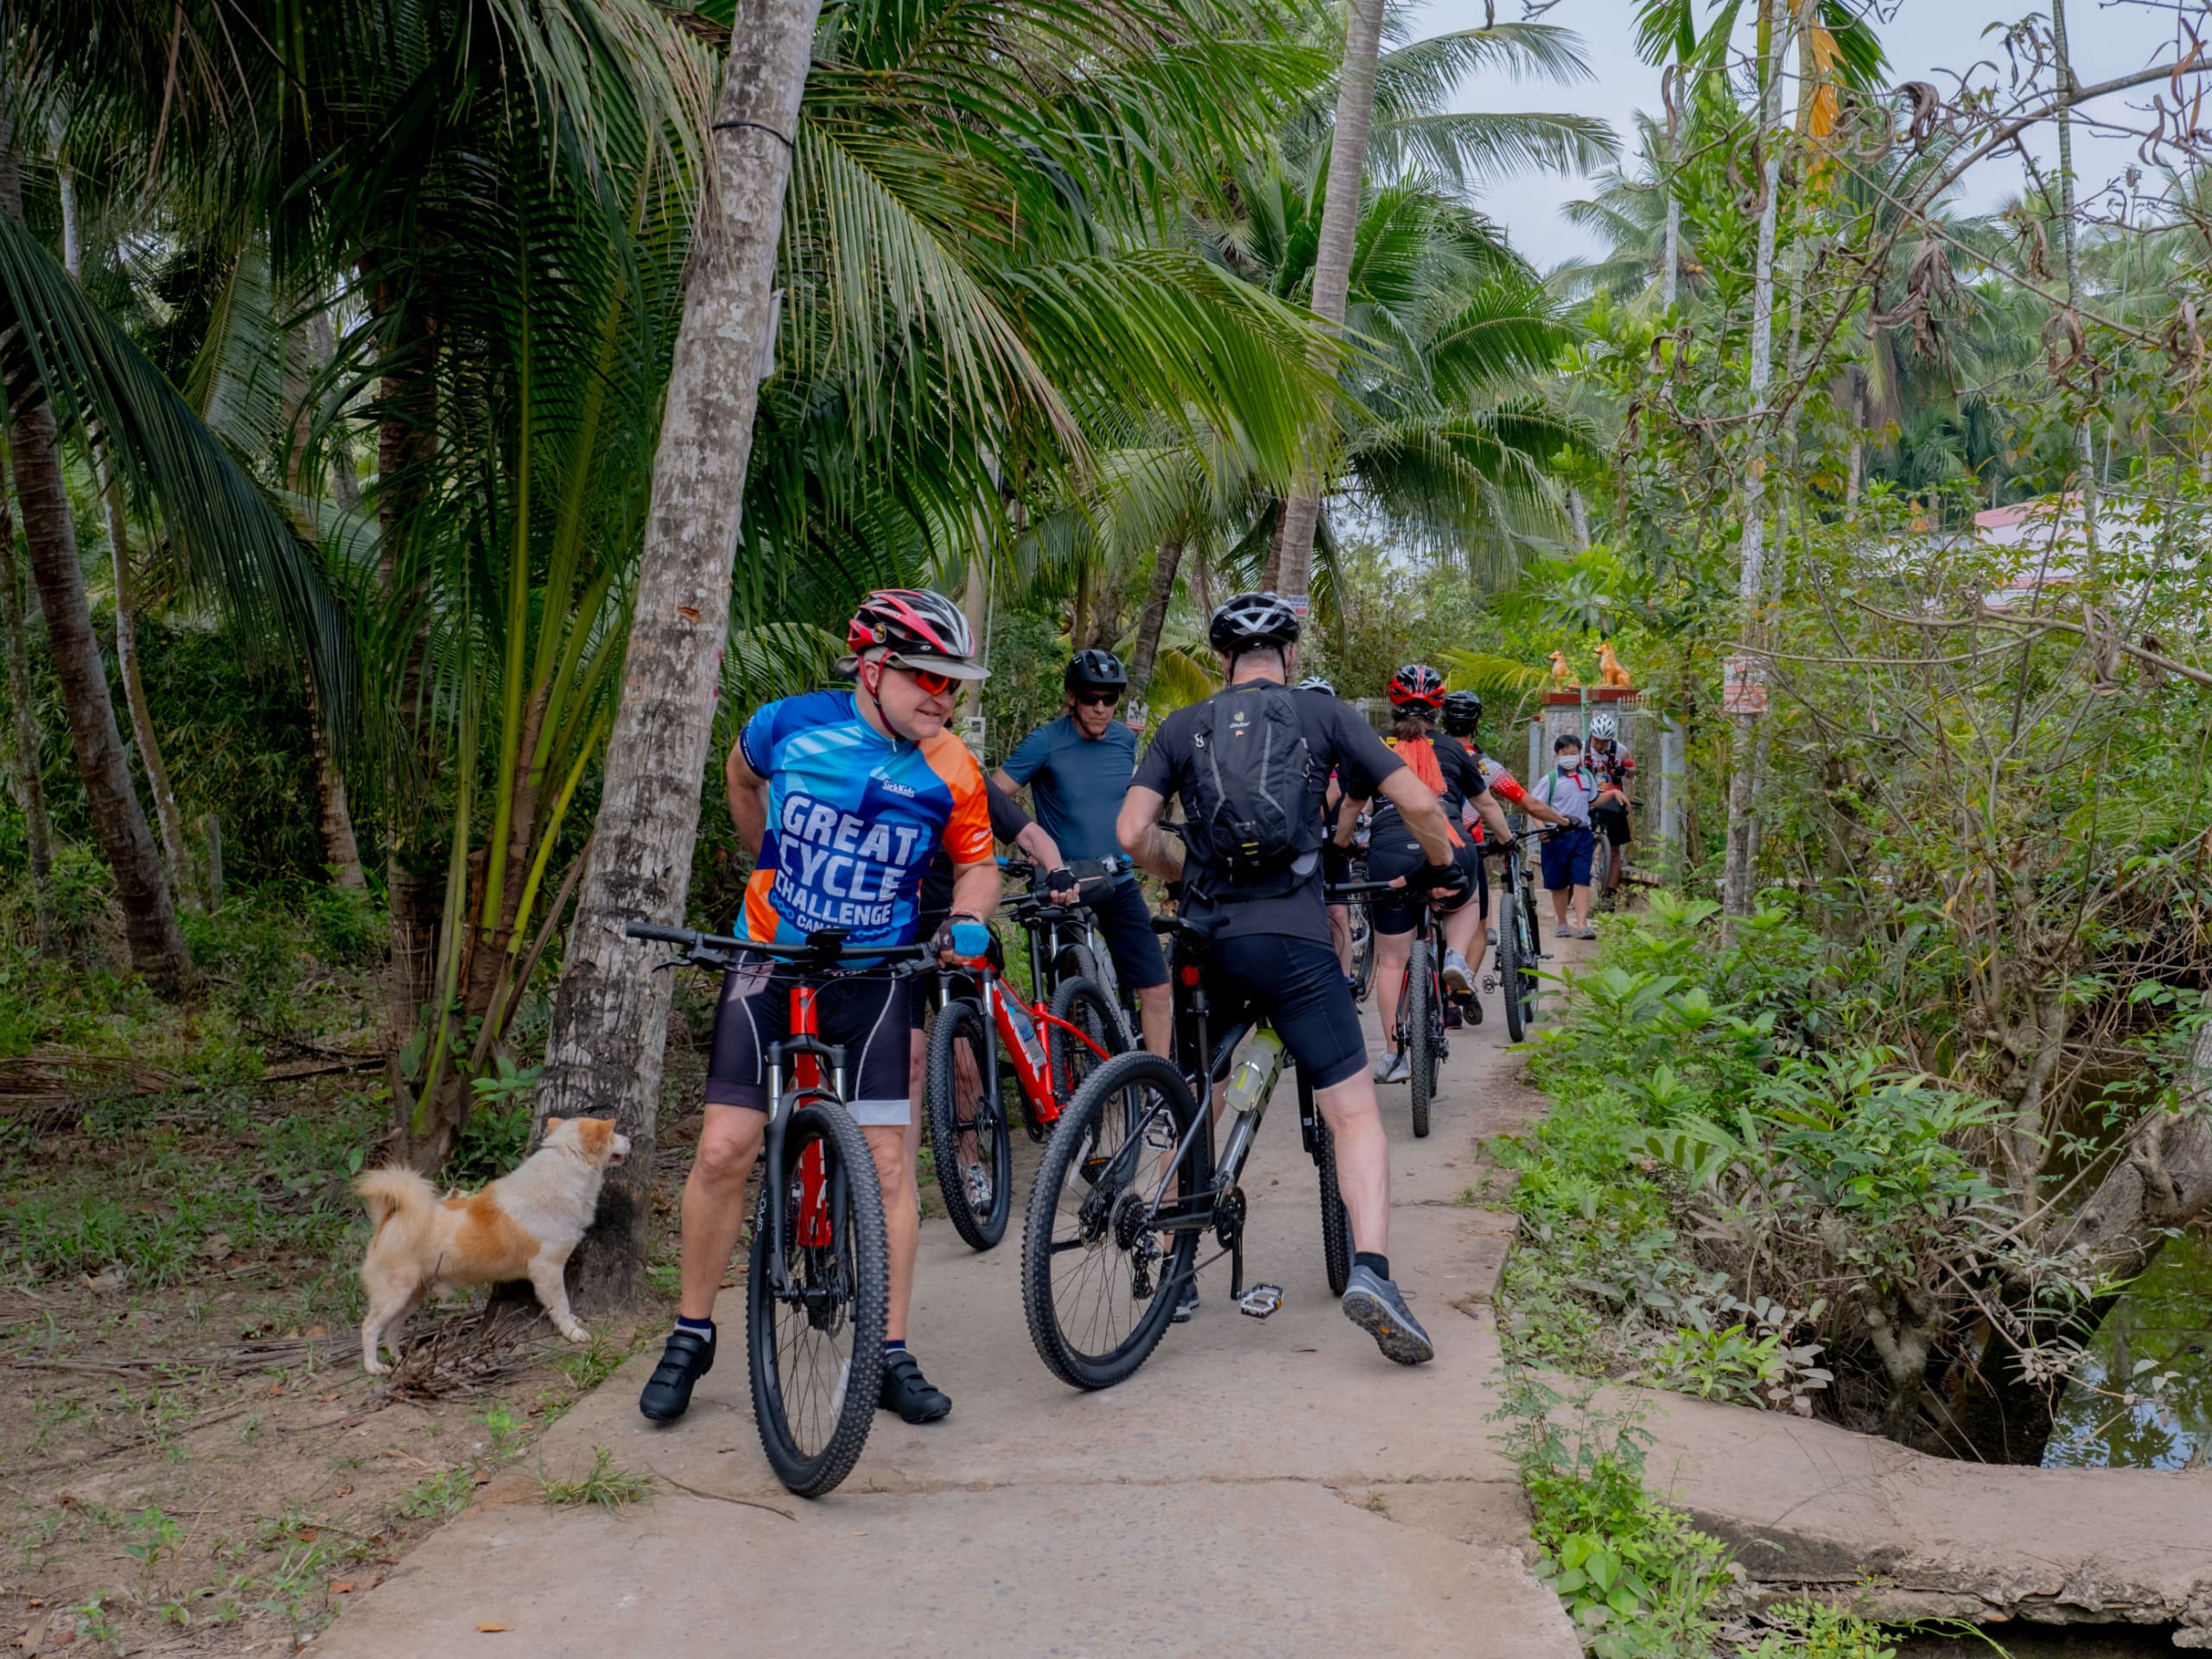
x,y
818,1280
1421,1015
1519,948
1131,1180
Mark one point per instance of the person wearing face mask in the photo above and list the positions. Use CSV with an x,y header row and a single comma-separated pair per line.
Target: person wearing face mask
x,y
1570,788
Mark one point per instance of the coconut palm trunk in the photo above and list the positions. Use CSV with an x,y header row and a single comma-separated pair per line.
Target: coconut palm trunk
x,y
1146,650
1332,257
156,941
30,785
610,1018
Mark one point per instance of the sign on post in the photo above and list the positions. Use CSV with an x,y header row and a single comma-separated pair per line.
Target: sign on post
x,y
1743,686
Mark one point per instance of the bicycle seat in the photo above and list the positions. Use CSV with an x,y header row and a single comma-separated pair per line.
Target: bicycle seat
x,y
1202,930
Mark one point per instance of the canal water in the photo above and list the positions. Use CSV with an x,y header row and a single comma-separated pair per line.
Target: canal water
x,y
2158,1338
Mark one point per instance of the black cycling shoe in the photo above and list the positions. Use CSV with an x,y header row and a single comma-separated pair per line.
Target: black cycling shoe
x,y
907,1392
667,1396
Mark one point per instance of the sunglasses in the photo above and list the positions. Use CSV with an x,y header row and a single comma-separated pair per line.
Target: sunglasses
x,y
931,684
1099,700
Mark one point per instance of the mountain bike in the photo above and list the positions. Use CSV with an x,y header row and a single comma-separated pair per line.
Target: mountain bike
x,y
1064,942
1130,1180
1422,1005
818,1280
1519,942
977,1086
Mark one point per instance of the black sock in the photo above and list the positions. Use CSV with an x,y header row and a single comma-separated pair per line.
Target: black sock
x,y
696,1327
1377,1265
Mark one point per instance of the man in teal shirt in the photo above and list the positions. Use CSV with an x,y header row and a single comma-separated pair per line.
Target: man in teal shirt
x,y
1077,768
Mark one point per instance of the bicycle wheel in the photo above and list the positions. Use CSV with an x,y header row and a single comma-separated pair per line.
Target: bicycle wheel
x,y
1362,951
815,1351
1509,970
968,1128
1531,952
1601,870
1336,1223
1419,1017
1096,1275
1082,1005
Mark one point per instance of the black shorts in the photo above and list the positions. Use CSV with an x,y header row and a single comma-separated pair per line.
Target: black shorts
x,y
867,1015
1400,912
1298,986
1125,922
1613,820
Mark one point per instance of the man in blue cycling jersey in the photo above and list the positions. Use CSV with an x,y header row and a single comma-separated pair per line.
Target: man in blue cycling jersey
x,y
844,797
1077,768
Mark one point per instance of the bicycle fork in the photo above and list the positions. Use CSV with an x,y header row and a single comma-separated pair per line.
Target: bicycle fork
x,y
810,1056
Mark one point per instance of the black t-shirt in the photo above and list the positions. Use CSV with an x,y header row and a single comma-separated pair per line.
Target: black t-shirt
x,y
1463,782
1337,739
1007,821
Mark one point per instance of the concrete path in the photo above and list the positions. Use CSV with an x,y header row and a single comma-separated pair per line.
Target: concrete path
x,y
1259,1488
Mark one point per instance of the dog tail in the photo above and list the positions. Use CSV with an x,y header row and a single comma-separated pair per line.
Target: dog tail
x,y
395,1192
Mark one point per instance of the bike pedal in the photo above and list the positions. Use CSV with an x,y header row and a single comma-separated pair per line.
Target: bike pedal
x,y
1260,1300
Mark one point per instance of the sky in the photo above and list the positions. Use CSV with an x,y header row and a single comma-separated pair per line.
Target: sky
x,y
1921,36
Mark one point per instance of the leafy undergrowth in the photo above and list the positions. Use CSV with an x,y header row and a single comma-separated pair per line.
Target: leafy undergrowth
x,y
196,1461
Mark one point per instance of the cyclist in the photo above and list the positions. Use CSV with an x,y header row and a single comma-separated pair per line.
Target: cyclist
x,y
842,797
1417,696
1254,875
1077,768
1335,861
1615,768
1463,716
1569,789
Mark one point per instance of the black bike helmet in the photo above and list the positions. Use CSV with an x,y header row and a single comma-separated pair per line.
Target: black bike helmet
x,y
1416,686
1095,671
1315,683
1253,622
1463,712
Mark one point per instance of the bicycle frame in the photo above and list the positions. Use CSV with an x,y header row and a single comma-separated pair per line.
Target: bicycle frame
x,y
1035,1077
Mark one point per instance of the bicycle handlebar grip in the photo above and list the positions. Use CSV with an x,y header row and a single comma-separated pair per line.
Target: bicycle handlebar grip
x,y
685,935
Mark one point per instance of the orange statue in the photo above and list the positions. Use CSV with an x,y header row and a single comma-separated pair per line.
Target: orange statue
x,y
1613,675
1562,677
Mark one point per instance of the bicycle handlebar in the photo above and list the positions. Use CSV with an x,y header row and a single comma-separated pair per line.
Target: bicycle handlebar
x,y
825,949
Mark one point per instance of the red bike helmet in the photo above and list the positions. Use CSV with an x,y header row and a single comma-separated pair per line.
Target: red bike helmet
x,y
1417,686
915,628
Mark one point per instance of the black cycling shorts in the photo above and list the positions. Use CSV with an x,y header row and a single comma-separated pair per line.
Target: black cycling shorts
x,y
1298,986
1399,911
867,1015
1125,922
1613,820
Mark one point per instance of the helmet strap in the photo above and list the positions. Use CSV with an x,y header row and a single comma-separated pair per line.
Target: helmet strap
x,y
872,691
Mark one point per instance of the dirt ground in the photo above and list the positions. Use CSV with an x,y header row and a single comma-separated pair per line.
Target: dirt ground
x,y
192,1460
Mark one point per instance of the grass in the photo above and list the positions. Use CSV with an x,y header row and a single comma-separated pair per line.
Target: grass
x,y
606,1487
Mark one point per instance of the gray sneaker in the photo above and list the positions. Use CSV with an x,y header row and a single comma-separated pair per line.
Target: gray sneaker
x,y
1457,975
1187,1303
1393,1068
1588,931
1563,931
1374,1306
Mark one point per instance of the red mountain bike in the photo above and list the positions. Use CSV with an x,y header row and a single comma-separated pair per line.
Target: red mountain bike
x,y
977,1086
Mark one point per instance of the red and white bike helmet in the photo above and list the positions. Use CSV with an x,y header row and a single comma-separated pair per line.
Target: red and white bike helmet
x,y
916,629
1417,686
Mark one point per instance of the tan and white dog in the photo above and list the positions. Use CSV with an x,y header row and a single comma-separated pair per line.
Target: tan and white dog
x,y
522,1226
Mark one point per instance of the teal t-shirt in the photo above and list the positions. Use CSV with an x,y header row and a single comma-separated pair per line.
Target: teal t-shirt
x,y
1077,782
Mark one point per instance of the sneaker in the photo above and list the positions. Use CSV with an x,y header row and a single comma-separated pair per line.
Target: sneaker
x,y
1474,1005
1186,1302
1393,1068
667,1394
1376,1308
979,1189
1490,933
1457,976
907,1392
1587,932
1563,931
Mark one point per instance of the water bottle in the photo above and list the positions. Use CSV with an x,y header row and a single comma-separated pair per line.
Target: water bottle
x,y
1252,1076
1025,1031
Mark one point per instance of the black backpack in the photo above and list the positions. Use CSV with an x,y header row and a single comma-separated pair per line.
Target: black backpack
x,y
1251,810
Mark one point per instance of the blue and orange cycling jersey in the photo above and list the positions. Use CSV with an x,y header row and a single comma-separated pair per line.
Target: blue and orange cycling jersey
x,y
853,819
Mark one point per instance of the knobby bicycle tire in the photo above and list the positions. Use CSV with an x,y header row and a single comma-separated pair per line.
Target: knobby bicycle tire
x,y
1362,951
961,1024
1509,970
1101,1138
1336,1223
1084,1005
1419,1017
854,1267
1601,870
1532,952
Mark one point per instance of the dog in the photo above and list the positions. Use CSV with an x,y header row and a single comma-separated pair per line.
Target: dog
x,y
1562,677
522,1226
